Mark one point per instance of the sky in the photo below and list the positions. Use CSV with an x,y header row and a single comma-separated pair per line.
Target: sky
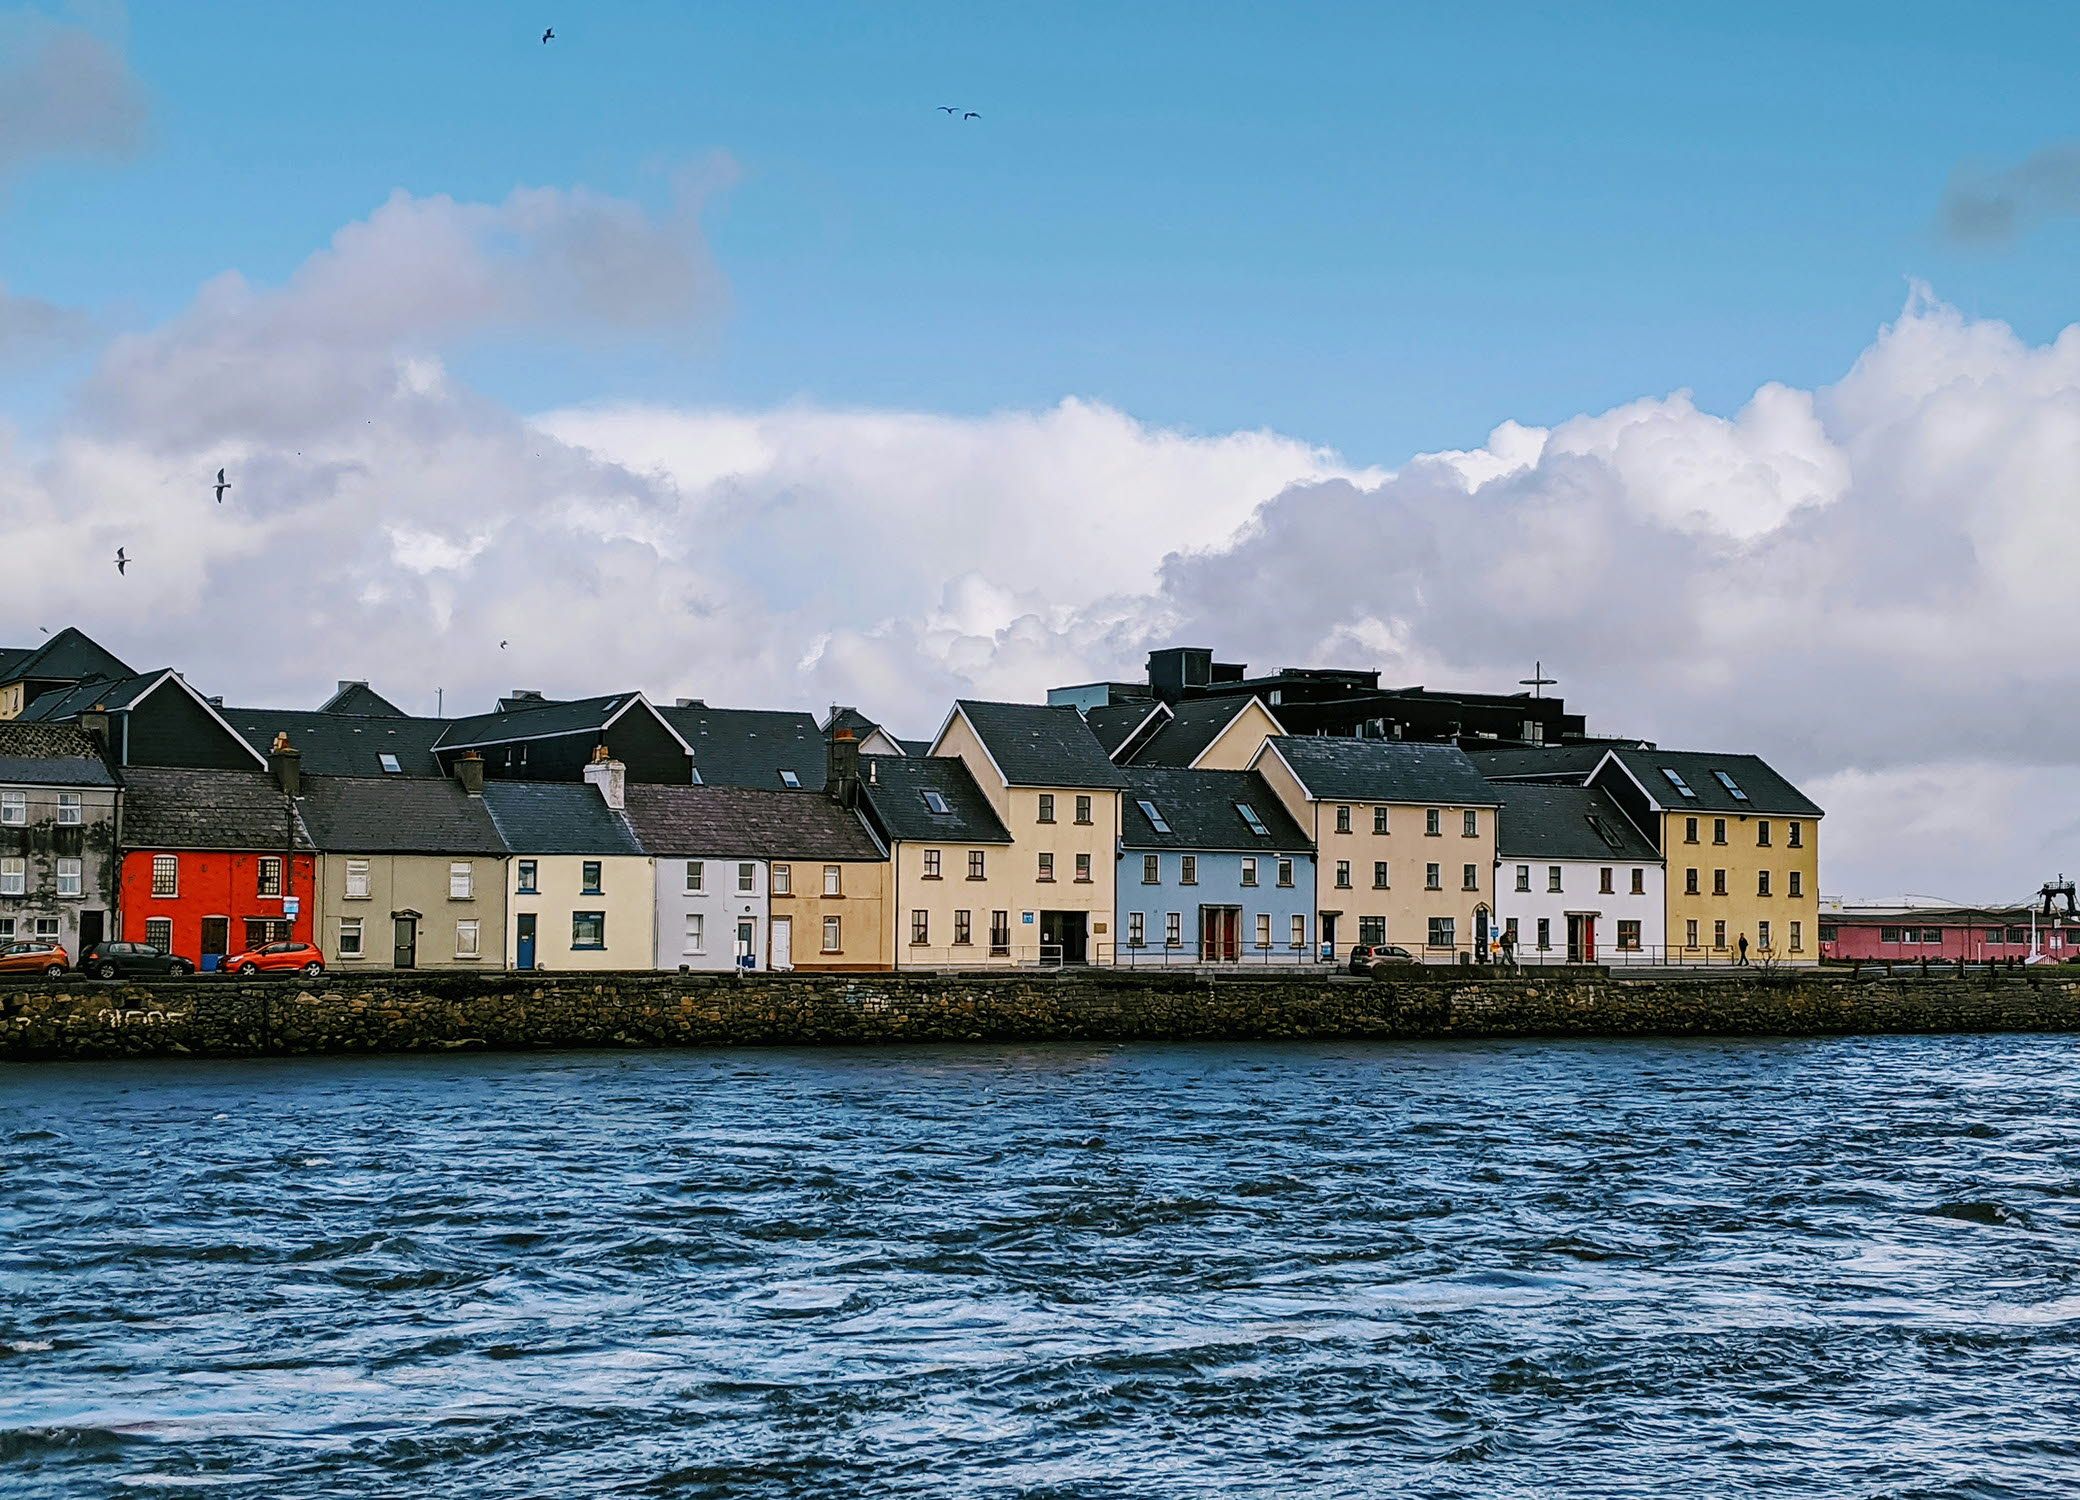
x,y
1717,357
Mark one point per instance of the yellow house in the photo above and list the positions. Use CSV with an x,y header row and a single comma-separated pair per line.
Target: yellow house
x,y
580,891
1742,847
1404,837
1203,734
1051,785
951,892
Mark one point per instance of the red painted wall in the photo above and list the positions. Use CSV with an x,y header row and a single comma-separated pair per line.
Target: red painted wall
x,y
1863,941
212,883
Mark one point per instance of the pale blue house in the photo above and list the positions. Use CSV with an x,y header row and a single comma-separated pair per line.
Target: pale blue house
x,y
1212,869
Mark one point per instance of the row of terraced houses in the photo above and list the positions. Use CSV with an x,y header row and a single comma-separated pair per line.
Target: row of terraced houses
x,y
1204,816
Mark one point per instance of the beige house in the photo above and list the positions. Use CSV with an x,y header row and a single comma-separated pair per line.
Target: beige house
x,y
1057,793
951,895
580,890
1404,838
411,873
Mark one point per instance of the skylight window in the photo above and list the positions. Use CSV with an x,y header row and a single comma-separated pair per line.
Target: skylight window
x,y
1256,824
934,802
697,777
390,764
1675,779
1155,819
791,781
1733,787
1605,832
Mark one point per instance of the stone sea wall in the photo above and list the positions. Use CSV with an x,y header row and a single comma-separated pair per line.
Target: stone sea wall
x,y
429,1012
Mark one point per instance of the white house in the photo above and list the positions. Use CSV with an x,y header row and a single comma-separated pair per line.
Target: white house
x,y
1576,881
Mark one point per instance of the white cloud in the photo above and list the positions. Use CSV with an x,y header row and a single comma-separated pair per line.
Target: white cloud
x,y
1869,583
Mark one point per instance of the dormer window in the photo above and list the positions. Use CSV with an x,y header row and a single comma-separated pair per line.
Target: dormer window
x,y
1155,819
1675,779
935,803
390,764
791,781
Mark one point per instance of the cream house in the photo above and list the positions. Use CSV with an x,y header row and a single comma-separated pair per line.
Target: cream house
x,y
952,892
1404,837
1050,784
580,892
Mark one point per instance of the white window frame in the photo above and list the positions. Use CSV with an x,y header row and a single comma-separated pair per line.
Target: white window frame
x,y
834,880
1173,929
747,878
357,879
462,880
170,866
783,880
72,809
71,872
469,939
833,935
153,927
349,944
1263,930
696,873
1137,929
14,876
14,809
695,938
1299,931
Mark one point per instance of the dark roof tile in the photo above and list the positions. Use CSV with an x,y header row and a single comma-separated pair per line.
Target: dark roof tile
x,y
895,789
397,815
1199,808
1040,744
740,822
1351,770
557,817
750,747
1766,791
1540,821
49,755
168,808
343,744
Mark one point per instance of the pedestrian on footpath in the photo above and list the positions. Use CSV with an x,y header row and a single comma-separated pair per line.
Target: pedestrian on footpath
x,y
1744,952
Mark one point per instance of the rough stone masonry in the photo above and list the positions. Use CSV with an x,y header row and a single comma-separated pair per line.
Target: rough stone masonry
x,y
78,1018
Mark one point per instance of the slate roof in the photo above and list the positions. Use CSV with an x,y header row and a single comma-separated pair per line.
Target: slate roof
x,y
397,815
1540,821
743,823
343,744
112,693
914,748
1114,723
1039,744
10,658
894,788
1767,791
749,747
361,699
1549,763
544,721
1199,807
169,808
1336,769
49,755
1193,725
70,653
557,817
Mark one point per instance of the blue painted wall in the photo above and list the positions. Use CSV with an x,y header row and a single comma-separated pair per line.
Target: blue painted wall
x,y
1219,884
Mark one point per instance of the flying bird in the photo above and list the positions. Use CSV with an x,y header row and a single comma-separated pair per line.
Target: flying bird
x,y
222,485
501,645
949,109
122,562
971,115
549,36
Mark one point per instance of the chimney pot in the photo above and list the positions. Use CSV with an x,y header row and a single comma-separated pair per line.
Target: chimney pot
x,y
286,761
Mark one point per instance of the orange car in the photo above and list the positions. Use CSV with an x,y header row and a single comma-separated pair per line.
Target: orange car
x,y
277,958
34,956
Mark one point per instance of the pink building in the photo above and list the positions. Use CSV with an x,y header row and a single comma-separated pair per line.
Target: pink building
x,y
1993,934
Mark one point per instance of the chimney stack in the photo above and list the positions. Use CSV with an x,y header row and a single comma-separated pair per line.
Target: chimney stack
x,y
469,770
95,723
610,776
286,761
843,768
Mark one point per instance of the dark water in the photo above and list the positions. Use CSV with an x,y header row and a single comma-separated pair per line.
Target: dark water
x,y
1836,1268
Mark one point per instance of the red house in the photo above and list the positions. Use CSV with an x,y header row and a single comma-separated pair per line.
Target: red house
x,y
211,861
1977,935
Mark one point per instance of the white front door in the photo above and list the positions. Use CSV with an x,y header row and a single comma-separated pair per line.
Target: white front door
x,y
783,942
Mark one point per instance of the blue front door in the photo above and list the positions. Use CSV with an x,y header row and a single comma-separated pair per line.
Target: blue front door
x,y
526,932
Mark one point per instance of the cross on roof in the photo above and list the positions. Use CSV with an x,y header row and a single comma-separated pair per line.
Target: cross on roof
x,y
1537,679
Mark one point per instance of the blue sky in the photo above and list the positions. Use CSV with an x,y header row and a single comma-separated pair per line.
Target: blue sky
x,y
1378,228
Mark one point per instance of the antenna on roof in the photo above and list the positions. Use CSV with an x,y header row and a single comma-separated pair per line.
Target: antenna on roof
x,y
1538,679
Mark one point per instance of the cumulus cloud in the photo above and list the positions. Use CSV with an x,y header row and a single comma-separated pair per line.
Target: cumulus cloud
x,y
64,91
1870,583
1994,206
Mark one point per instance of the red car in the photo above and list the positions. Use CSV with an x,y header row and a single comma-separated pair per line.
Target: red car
x,y
277,958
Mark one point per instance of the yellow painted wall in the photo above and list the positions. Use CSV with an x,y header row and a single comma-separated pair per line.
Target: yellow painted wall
x,y
1236,746
1407,903
862,907
627,896
1286,785
1742,909
953,891
958,739
11,700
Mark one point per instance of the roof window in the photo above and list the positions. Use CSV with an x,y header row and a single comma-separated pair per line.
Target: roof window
x,y
697,777
1256,824
791,781
1675,779
1733,788
935,802
390,764
1605,832
1155,819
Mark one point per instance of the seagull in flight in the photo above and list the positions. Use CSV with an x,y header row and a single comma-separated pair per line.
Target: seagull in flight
x,y
222,485
122,562
501,645
971,115
549,36
949,109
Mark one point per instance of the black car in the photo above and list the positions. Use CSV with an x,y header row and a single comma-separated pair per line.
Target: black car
x,y
131,960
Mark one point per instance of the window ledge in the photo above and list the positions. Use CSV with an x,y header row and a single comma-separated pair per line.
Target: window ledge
x,y
588,947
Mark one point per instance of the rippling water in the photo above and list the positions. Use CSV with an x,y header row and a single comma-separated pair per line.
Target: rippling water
x,y
1837,1267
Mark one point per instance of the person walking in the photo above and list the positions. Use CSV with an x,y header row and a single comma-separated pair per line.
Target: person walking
x,y
1743,963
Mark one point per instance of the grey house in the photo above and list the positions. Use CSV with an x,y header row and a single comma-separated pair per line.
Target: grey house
x,y
58,860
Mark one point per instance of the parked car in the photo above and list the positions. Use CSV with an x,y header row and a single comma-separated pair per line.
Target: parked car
x,y
1363,954
122,960
34,956
277,958
1386,957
